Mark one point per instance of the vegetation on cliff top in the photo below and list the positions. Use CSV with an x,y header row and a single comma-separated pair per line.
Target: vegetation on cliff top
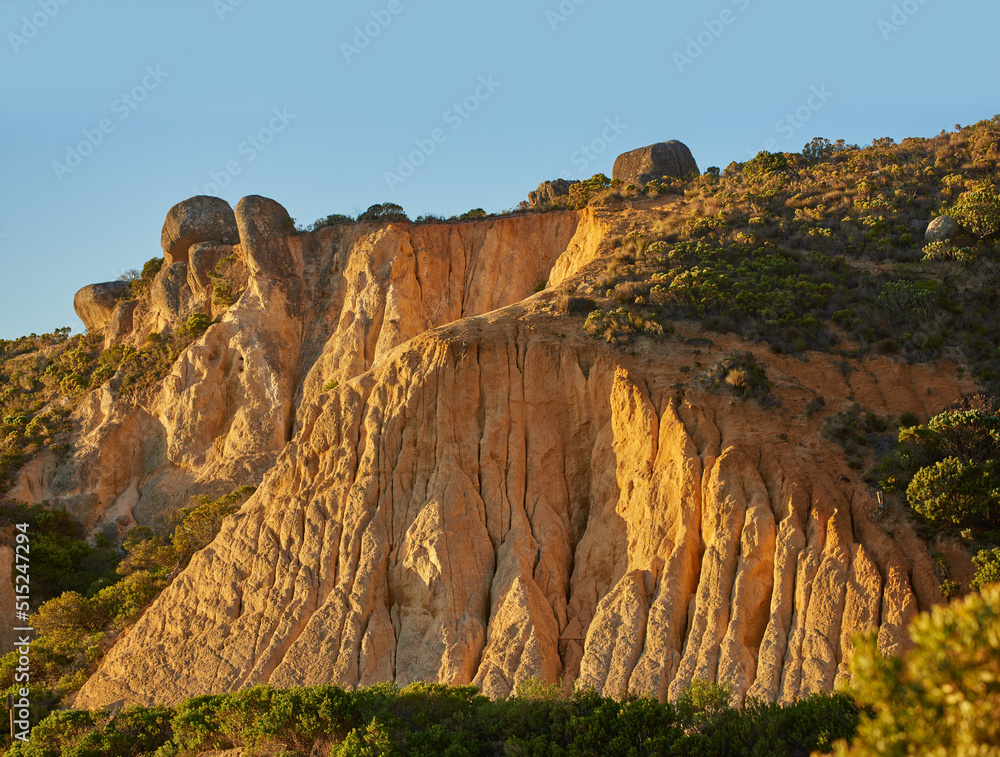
x,y
820,250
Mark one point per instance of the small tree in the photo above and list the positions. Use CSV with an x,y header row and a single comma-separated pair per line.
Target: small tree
x,y
988,572
818,149
387,211
954,491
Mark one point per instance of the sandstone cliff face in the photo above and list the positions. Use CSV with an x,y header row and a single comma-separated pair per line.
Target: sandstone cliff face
x,y
494,501
484,495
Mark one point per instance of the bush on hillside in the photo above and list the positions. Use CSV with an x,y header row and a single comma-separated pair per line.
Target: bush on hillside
x,y
741,374
199,525
987,563
978,209
951,464
955,491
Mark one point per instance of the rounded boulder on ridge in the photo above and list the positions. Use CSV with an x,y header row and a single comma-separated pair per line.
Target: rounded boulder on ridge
x,y
94,303
198,219
657,161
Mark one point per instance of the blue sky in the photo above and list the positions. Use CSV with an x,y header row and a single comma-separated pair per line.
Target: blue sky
x,y
111,111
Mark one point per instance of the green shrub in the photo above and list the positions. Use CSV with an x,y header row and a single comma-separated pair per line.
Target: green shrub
x,y
383,213
195,326
741,374
955,491
62,558
765,164
905,296
978,209
199,525
967,434
335,219
141,282
373,740
948,251
987,568
620,325
147,551
66,620
122,602
471,214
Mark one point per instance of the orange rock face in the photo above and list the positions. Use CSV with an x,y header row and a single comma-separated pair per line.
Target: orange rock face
x,y
487,495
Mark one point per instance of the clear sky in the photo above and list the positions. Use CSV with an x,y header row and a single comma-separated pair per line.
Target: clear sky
x,y
111,111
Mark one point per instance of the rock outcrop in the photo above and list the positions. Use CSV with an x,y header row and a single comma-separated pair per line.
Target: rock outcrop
x,y
95,303
548,191
198,219
657,161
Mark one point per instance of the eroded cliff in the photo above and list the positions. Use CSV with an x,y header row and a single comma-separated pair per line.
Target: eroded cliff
x,y
458,485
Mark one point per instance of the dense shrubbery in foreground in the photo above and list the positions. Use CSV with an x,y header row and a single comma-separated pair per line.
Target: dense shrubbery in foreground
x,y
425,719
942,699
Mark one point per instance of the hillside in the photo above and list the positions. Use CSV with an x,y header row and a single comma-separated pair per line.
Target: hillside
x,y
625,438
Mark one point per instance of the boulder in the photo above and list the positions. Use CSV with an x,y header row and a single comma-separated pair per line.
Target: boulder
x,y
657,161
548,191
199,219
942,229
121,321
94,303
264,228
202,258
168,292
